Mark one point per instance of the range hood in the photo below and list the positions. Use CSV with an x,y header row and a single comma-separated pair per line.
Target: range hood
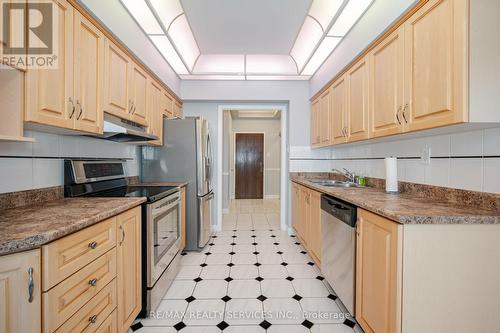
x,y
121,130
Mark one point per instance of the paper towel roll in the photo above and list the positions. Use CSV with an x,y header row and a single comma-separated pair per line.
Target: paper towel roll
x,y
391,174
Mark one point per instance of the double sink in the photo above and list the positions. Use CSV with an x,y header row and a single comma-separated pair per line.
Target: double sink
x,y
334,183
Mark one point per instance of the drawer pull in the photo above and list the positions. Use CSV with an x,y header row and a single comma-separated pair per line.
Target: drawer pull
x,y
31,284
93,245
93,319
93,282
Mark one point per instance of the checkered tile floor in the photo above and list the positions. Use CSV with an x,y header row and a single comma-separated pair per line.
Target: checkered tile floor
x,y
251,277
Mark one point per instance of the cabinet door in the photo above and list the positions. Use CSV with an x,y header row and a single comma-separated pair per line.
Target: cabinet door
x,y
357,101
168,107
377,277
324,118
339,103
19,314
315,134
177,110
296,207
155,118
128,278
49,92
117,68
315,225
88,75
138,92
436,65
386,85
305,214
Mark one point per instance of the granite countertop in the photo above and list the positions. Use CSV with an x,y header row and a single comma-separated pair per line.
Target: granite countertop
x,y
406,209
32,226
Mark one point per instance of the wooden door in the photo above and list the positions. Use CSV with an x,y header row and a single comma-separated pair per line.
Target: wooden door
x,y
19,314
315,131
138,92
88,75
386,85
323,120
339,103
377,280
155,113
315,225
128,278
249,165
305,214
436,65
117,68
357,101
49,92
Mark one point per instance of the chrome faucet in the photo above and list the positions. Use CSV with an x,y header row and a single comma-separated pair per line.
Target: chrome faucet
x,y
347,174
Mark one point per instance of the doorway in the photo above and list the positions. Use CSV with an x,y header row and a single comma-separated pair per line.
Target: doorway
x,y
249,165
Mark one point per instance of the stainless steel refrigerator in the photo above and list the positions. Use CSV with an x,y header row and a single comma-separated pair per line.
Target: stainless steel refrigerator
x,y
186,156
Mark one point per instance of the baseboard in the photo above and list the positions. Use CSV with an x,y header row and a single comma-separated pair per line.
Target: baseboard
x,y
274,196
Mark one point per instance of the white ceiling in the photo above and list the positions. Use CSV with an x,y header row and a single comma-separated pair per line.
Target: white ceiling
x,y
245,26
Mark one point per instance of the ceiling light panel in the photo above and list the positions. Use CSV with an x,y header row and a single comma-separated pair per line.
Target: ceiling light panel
x,y
143,15
220,64
184,41
349,16
167,50
167,10
278,77
324,11
213,77
325,48
270,64
309,36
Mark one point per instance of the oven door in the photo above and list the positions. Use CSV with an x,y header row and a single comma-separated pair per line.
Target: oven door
x,y
163,237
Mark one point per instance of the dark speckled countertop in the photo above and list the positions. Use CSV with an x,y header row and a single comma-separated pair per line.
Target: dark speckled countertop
x,y
407,209
29,227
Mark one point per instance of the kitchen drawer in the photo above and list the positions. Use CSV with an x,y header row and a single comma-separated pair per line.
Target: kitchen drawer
x,y
109,324
94,314
67,255
62,301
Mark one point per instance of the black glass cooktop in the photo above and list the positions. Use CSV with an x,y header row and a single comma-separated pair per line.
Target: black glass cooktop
x,y
152,193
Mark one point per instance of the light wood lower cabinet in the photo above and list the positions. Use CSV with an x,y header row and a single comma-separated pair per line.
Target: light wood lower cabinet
x,y
306,218
20,313
128,251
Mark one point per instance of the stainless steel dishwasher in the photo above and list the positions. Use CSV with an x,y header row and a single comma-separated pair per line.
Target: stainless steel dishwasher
x,y
338,249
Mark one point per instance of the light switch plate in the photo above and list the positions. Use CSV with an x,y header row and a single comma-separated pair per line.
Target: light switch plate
x,y
425,156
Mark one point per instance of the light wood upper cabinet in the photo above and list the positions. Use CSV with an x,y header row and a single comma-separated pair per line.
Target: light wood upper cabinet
x,y
357,101
88,75
315,131
20,313
138,95
386,85
436,65
377,273
339,111
155,112
178,110
128,267
116,81
49,93
324,118
168,105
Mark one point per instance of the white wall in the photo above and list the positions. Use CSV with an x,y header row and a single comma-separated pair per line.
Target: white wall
x,y
31,165
116,18
272,151
376,20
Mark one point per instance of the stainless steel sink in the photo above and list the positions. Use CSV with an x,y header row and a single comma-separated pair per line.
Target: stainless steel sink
x,y
334,183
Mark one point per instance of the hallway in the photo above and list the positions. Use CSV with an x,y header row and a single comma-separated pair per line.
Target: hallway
x,y
252,277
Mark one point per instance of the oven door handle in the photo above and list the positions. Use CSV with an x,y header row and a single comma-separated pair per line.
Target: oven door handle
x,y
160,210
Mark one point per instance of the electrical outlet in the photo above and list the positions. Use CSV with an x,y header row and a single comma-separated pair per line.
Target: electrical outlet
x,y
425,156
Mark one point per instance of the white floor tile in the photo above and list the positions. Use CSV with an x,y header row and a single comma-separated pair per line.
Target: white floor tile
x,y
215,272
180,289
204,312
244,289
301,271
287,329
244,248
244,312
168,313
218,259
283,311
244,259
267,259
331,328
244,329
193,258
221,249
277,288
244,272
322,310
188,272
210,289
273,271
310,288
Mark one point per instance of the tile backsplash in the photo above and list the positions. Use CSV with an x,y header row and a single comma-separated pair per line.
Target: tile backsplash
x,y
39,164
467,160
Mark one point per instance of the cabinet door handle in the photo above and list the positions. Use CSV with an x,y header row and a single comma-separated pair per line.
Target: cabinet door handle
x,y
397,115
93,319
31,284
72,108
123,235
93,282
404,113
81,110
93,245
133,107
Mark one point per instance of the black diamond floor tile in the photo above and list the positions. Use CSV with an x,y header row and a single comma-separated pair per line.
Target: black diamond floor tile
x,y
136,326
258,278
255,244
228,279
230,264
232,244
198,279
310,263
179,326
276,243
265,324
257,264
231,253
208,253
307,324
349,323
222,325
262,298
284,264
190,299
256,253
183,253
226,298
203,265
279,252
297,297
289,278
332,297
320,278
